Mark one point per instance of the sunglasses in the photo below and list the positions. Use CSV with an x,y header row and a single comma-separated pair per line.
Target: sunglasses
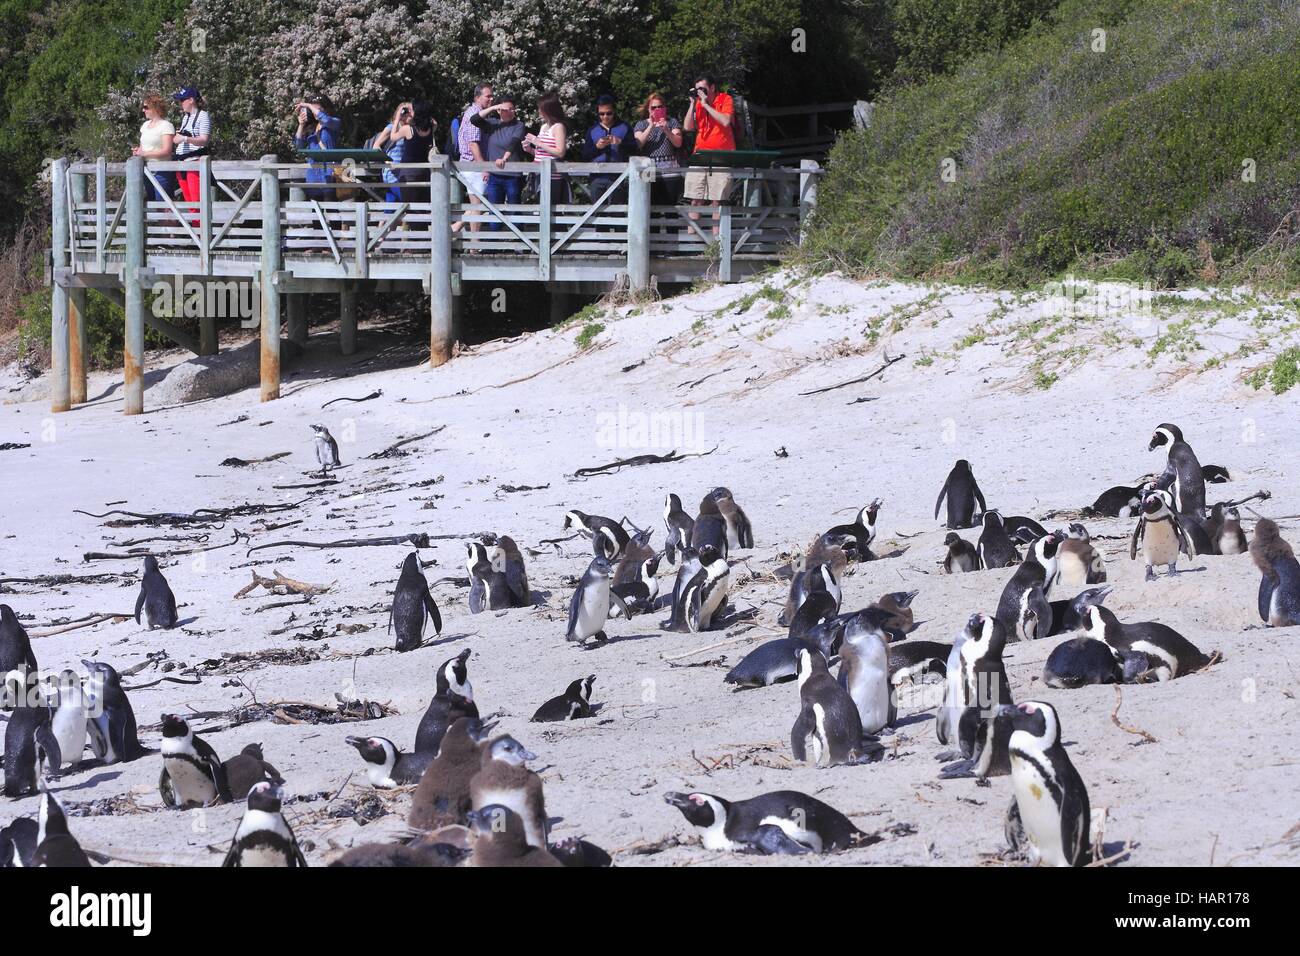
x,y
605,113
701,89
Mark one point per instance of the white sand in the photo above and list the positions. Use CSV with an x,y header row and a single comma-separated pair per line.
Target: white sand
x,y
1220,783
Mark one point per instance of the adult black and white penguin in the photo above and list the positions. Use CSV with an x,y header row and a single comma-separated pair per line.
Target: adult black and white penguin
x,y
489,589
1078,563
515,571
1160,532
995,547
1082,661
111,728
504,778
775,661
55,845
1223,529
15,646
412,603
68,723
1215,474
29,742
784,821
640,595
740,533
1022,529
453,699
705,595
1067,613
679,525
500,839
589,606
828,718
1168,653
1182,477
156,599
912,661
1279,583
442,797
962,492
326,448
1121,501
688,567
1023,608
192,774
18,842
710,527
386,765
1050,807
609,539
263,837
976,681
864,669
573,704
861,533
961,556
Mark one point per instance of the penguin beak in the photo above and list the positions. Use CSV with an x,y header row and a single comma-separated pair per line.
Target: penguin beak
x,y
528,755
357,742
675,799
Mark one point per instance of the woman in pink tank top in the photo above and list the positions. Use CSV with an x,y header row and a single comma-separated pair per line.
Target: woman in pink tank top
x,y
551,142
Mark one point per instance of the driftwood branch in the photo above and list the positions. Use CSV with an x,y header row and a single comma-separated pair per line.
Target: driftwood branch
x,y
615,466
414,539
391,450
245,462
855,381
134,553
93,619
282,585
365,398
201,516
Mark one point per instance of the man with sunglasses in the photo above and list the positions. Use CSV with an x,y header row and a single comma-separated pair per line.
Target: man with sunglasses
x,y
606,142
710,117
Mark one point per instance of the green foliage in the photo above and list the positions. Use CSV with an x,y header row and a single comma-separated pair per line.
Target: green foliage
x,y
1129,162
588,334
1282,374
934,36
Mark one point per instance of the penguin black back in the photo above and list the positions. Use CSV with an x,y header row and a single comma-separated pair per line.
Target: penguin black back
x,y
156,600
15,646
411,602
963,492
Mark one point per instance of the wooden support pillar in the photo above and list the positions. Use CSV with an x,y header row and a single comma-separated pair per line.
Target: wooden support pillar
x,y
77,313
133,288
442,315
724,242
638,223
270,268
348,318
295,304
59,396
808,170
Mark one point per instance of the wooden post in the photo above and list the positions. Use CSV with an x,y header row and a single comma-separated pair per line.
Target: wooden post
x,y
77,314
270,300
638,222
101,210
133,351
295,303
361,225
348,318
544,222
808,170
59,397
205,214
724,242
442,317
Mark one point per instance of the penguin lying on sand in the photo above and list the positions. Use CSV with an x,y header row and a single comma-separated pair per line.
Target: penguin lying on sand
x,y
573,704
1168,653
386,766
499,840
784,821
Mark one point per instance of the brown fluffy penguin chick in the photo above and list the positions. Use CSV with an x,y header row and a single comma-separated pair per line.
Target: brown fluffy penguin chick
x,y
499,840
505,779
628,568
1268,546
898,604
442,796
247,768
1078,564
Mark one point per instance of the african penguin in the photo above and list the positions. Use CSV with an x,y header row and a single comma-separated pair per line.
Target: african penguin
x,y
709,527
156,598
962,492
192,774
327,449
608,538
1081,661
112,728
1121,501
900,619
29,742
69,721
740,534
1224,527
56,846
1022,529
1023,608
641,594
1168,653
1051,802
1078,563
784,821
1279,584
705,595
862,531
15,646
411,602
962,556
516,573
1160,532
18,842
453,698
864,669
489,588
442,797
386,766
1182,477
828,717
263,837
679,525
1067,615
505,779
500,839
573,704
996,549
589,606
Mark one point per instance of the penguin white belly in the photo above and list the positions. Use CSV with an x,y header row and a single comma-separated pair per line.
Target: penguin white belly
x,y
795,832
514,800
189,783
715,591
869,687
1277,614
69,726
593,611
1229,544
819,735
715,836
1071,571
1170,670
1159,543
257,821
1039,814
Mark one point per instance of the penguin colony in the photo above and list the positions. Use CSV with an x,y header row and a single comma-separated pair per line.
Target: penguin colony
x,y
474,799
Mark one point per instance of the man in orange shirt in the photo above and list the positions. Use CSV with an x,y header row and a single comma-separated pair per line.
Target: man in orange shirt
x,y
710,116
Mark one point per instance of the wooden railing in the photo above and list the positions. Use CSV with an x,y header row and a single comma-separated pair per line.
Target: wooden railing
x,y
261,221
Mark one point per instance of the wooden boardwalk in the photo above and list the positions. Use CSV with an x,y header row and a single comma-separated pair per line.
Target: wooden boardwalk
x,y
258,226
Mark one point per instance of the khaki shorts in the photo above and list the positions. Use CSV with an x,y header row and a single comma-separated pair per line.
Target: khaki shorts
x,y
713,186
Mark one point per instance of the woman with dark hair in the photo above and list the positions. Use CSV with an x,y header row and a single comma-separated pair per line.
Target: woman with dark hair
x,y
416,139
156,134
193,139
384,140
551,142
317,128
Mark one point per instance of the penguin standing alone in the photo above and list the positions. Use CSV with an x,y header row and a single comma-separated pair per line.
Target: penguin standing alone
x,y
962,492
589,606
327,450
1050,806
156,598
411,601
263,837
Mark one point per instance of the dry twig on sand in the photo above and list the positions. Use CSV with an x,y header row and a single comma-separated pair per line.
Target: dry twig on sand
x,y
1136,731
282,585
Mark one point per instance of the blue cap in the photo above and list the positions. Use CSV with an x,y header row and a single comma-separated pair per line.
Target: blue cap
x,y
185,93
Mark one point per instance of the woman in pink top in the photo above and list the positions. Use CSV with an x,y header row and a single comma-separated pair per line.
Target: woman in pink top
x,y
551,142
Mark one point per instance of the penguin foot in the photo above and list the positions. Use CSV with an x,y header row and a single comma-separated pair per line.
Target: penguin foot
x,y
1151,574
1173,568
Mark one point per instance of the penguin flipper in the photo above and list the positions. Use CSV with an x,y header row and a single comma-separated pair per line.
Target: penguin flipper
x,y
1184,539
1013,828
232,855
618,598
434,614
165,789
1137,536
139,603
774,841
979,495
46,741
939,501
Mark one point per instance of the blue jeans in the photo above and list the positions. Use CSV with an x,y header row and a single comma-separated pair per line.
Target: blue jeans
x,y
502,189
